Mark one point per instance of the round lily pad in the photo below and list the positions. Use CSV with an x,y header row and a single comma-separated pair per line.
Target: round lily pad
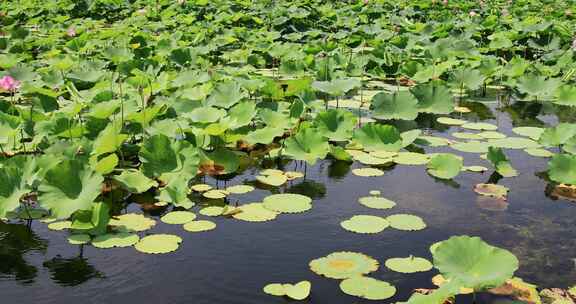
x,y
383,154
376,202
537,152
475,168
79,239
58,226
370,160
271,172
198,226
406,222
287,203
254,212
298,291
178,217
367,288
343,265
272,180
275,289
450,121
132,222
530,132
122,239
365,224
432,141
513,143
215,194
492,190
212,211
462,110
240,189
411,158
491,135
465,135
445,165
408,265
480,126
201,187
367,172
471,147
158,243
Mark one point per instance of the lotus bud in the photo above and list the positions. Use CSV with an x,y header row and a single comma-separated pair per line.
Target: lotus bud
x,y
366,2
445,2
71,32
181,2
8,83
142,11
472,13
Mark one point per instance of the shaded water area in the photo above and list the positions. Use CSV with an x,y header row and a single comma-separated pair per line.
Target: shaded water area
x,y
232,263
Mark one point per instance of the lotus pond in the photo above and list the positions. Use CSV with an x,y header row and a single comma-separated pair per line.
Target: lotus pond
x,y
282,151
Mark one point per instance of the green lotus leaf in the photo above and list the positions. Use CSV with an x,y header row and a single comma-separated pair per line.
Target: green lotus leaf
x,y
408,137
287,203
178,217
135,181
275,289
343,265
13,186
158,243
336,125
475,168
158,156
467,78
367,172
340,153
132,222
433,99
365,224
215,194
212,211
307,145
79,239
537,152
375,193
200,187
226,94
480,126
451,121
566,95
254,212
397,105
438,296
336,87
471,147
383,154
59,226
538,87
264,135
408,265
492,135
432,141
68,187
445,165
406,222
368,159
119,240
491,190
199,226
226,161
374,137
298,291
533,133
272,180
465,135
367,288
513,143
473,263
562,169
376,202
240,189
205,115
501,163
241,114
109,140
411,158
557,135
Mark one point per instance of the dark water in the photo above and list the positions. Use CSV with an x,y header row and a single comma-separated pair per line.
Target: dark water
x,y
232,263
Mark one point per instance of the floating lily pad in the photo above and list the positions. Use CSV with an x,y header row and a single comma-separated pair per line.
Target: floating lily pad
x,y
132,222
79,239
58,226
492,190
465,135
215,194
491,135
343,265
178,217
367,288
408,265
376,202
411,158
298,291
158,243
272,180
201,187
367,172
287,203
432,141
375,192
370,160
240,189
212,211
365,224
531,132
198,226
538,152
292,175
275,289
254,212
480,126
450,121
406,222
475,168
471,147
462,110
383,154
111,240
513,143
445,165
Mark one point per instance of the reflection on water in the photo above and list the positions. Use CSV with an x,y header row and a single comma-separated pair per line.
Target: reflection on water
x,y
16,240
71,271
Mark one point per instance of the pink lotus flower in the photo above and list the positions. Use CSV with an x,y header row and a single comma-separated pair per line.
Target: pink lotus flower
x,y
445,2
71,32
181,2
366,2
505,12
472,13
8,83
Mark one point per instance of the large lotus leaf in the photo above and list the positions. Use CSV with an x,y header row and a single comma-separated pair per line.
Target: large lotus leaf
x,y
109,140
307,145
176,190
566,96
445,165
17,175
501,163
264,135
558,135
473,263
287,203
335,124
434,99
68,187
374,137
158,156
241,114
135,181
276,119
337,87
513,143
226,94
93,221
538,87
397,105
205,114
223,160
562,169
254,212
158,243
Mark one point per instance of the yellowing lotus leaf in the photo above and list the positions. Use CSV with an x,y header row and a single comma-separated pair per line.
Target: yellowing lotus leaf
x,y
158,243
132,222
406,222
342,265
367,288
254,212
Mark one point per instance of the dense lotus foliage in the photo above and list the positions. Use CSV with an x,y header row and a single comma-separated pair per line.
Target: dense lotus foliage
x,y
101,100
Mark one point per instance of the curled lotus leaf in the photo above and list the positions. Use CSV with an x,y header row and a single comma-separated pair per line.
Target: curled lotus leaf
x,y
212,211
158,243
409,264
376,202
132,222
492,190
198,226
254,212
368,224
367,172
111,240
406,222
287,203
240,189
367,288
343,265
178,217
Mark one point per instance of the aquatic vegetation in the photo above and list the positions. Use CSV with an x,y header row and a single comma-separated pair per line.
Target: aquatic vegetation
x,y
409,264
343,265
199,226
158,243
254,212
491,190
132,222
445,166
501,162
178,217
376,202
111,240
367,288
562,168
406,222
298,291
287,203
365,224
